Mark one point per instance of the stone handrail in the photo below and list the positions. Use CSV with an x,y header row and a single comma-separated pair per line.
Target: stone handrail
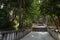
x,y
13,35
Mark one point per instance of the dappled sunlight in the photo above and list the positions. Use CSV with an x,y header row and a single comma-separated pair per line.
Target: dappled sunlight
x,y
43,33
32,35
11,12
2,6
17,24
59,36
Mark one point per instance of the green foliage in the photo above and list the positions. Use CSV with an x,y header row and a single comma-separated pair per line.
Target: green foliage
x,y
6,21
49,6
30,13
24,13
33,13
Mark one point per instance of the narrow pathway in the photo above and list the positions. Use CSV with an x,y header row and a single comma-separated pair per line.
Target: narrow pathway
x,y
38,36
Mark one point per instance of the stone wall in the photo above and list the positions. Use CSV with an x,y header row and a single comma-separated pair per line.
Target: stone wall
x,y
53,33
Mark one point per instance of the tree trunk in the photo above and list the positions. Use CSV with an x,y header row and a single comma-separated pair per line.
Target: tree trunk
x,y
20,19
54,21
